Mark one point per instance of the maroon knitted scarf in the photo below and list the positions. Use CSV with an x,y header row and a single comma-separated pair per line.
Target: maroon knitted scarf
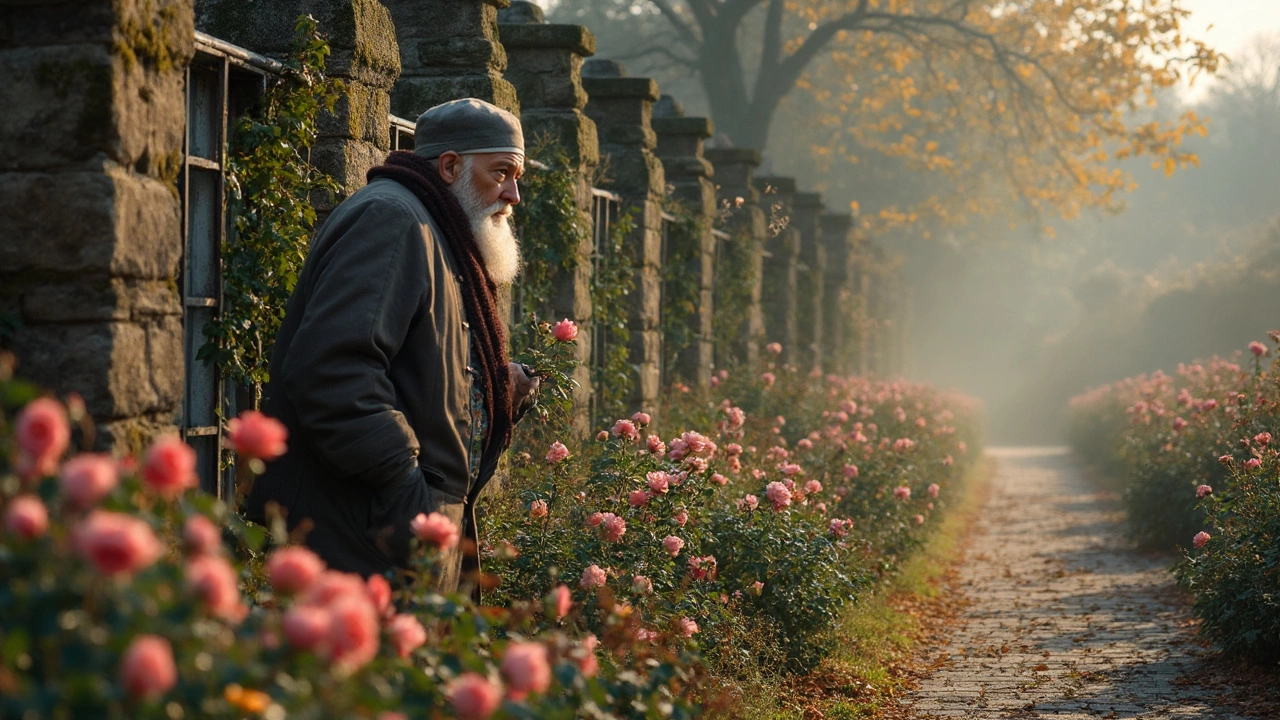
x,y
479,292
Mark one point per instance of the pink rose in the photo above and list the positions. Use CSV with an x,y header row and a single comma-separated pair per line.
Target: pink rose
x,y
778,495
750,502
87,478
1262,438
115,543
919,519
656,446
1203,490
435,529
1200,539
768,379
850,471
790,469
559,601
673,545
526,669
170,466
352,640
592,577
1253,463
538,509
688,627
773,348
903,444
379,592
681,517
812,486
332,585
659,482
641,585
42,434
306,627
407,634
26,517
595,518
614,527
473,697
757,588
213,580
292,570
565,331
805,444
902,492
1257,348
557,452
1208,405
637,498
734,417
641,418
200,536
587,663
147,669
1179,424
839,527
933,490
254,435
719,479
625,429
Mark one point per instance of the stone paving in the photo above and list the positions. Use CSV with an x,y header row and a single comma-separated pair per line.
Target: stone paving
x,y
1066,620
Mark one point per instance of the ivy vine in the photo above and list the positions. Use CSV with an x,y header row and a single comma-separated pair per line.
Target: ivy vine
x,y
612,373
681,283
270,184
736,278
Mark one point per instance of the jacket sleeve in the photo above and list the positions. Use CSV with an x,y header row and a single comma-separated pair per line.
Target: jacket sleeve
x,y
371,280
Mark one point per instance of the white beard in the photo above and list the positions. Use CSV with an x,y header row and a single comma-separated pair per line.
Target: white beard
x,y
492,227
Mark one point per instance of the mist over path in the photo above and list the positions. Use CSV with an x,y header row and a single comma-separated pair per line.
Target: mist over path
x,y
1065,620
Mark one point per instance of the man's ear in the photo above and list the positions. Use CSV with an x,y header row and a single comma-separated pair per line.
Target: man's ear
x,y
450,166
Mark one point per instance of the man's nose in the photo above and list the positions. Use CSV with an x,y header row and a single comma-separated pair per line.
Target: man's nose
x,y
510,192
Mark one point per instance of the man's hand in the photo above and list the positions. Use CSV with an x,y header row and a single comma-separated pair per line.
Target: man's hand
x,y
524,389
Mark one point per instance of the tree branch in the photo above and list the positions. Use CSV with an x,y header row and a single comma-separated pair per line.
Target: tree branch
x,y
673,16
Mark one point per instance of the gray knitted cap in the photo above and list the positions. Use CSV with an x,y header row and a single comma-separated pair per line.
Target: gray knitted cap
x,y
467,126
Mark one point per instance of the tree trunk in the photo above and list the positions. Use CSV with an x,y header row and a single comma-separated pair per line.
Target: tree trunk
x,y
745,120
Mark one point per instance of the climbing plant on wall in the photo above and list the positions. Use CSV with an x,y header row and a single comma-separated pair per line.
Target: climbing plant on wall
x,y
270,185
681,282
736,276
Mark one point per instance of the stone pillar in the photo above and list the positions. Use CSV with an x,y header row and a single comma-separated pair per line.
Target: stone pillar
x,y
545,68
778,296
90,151
449,49
622,109
739,267
363,54
810,275
840,307
680,147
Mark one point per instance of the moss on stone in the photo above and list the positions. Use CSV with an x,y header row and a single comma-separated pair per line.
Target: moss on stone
x,y
152,40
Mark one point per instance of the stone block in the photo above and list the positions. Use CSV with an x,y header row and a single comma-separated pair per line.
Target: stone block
x,y
452,56
413,95
147,227
32,24
347,162
575,132
56,223
620,88
576,39
360,114
522,11
57,104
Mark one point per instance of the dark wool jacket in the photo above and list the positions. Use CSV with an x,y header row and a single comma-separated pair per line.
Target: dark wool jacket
x,y
370,375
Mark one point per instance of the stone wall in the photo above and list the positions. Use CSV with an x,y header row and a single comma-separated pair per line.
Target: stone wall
x,y
449,49
778,295
742,263
810,276
90,150
622,109
689,177
545,68
841,308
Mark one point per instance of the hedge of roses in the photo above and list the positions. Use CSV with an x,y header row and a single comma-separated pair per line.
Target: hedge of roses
x,y
1197,456
747,518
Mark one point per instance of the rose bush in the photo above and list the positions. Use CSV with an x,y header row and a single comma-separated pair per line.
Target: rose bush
x,y
1196,453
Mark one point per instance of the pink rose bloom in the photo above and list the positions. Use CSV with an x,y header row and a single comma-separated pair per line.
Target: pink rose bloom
x,y
1200,539
638,498
170,466
812,486
778,495
919,519
305,627
850,471
805,444
702,567
595,518
436,530
658,481
292,570
688,627
715,381
255,435
526,669
757,588
899,414
407,634
1179,424
538,509
213,580
1203,490
115,543
353,632
673,545
768,379
378,591
200,536
559,601
656,446
26,517
962,448
614,527
903,444
681,517
719,479
735,417
933,490
723,374
751,502
641,418
774,348
849,406
147,669
602,435
1262,438
625,429
902,492
473,697
641,585
588,665
557,452
1257,348
947,461
565,331
1253,463
87,478
332,585
42,434
790,469
592,577
1208,405
839,527
733,449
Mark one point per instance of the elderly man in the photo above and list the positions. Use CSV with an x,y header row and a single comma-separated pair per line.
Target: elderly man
x,y
390,369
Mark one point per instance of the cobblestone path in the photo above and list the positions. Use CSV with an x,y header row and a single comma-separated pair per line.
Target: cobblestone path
x,y
1065,620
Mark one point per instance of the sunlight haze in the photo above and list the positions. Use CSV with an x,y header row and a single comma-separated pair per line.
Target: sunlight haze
x,y
1227,25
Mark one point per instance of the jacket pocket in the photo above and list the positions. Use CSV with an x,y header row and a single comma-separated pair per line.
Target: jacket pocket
x,y
392,508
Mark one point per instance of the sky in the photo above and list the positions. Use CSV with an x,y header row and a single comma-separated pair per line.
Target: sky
x,y
1228,24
